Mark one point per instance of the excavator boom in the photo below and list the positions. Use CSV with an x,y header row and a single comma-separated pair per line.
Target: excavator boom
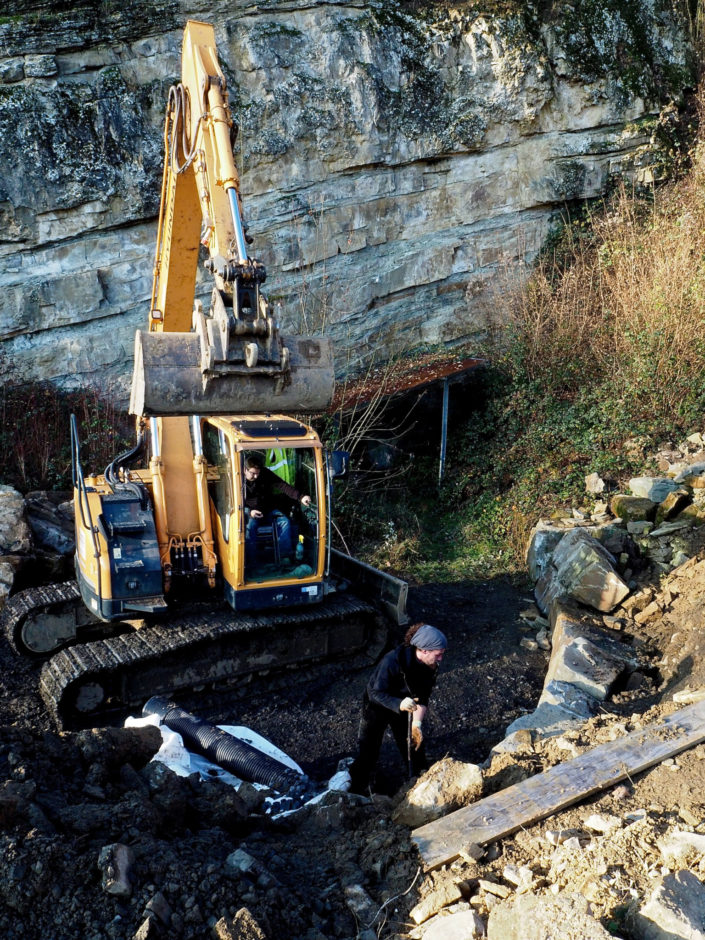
x,y
231,359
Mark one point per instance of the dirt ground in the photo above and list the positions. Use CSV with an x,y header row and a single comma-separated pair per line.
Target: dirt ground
x,y
345,869
486,681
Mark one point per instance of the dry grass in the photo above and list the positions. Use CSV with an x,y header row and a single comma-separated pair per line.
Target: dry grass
x,y
623,305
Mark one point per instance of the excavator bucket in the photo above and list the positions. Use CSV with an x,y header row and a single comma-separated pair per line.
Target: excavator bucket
x,y
168,379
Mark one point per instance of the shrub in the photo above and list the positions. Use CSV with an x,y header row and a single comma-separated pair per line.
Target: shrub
x,y
35,446
602,344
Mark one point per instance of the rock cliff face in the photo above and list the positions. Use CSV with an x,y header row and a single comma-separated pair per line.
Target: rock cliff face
x,y
394,156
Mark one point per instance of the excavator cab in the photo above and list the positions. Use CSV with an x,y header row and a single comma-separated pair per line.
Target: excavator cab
x,y
185,522
272,548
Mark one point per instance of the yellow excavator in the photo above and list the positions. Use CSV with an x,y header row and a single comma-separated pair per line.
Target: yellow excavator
x,y
183,577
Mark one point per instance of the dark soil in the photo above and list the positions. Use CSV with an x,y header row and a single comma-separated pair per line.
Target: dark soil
x,y
485,682
48,855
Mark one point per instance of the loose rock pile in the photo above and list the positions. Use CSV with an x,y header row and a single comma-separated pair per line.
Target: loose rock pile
x,y
620,591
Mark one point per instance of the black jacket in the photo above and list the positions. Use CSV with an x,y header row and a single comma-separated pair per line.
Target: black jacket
x,y
400,675
259,493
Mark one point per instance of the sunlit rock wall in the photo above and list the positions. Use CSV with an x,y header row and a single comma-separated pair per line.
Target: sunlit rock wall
x,y
396,159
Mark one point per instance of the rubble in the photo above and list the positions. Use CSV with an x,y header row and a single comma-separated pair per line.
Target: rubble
x,y
591,658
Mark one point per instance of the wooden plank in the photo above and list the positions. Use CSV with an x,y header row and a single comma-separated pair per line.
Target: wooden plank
x,y
526,802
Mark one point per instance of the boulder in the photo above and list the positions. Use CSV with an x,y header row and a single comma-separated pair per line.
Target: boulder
x,y
50,517
639,527
543,540
655,489
528,917
668,528
446,786
633,508
585,656
586,571
586,666
15,535
548,720
569,621
594,484
694,514
462,925
548,589
569,697
676,908
7,579
675,502
692,475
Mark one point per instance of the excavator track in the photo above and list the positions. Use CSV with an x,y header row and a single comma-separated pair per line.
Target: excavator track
x,y
39,621
89,683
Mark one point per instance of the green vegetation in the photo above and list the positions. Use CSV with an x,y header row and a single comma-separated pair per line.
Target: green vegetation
x,y
598,358
602,360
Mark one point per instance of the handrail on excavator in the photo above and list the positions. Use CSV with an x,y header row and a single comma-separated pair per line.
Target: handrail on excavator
x,y
80,489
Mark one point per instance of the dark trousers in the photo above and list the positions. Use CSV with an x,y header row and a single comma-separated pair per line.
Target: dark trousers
x,y
374,722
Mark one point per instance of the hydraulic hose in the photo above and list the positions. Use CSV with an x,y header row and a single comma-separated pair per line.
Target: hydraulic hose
x,y
228,752
111,472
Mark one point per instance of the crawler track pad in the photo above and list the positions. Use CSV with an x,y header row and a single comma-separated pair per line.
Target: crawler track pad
x,y
86,684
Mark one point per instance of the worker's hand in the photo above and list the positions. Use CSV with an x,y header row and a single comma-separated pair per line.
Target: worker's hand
x,y
255,513
416,735
407,705
305,500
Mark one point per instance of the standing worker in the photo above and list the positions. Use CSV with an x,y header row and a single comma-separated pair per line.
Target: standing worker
x,y
397,696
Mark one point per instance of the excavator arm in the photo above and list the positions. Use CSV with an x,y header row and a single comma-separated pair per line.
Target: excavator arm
x,y
232,358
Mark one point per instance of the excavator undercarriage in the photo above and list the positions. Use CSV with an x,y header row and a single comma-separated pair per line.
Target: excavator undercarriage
x,y
96,672
93,682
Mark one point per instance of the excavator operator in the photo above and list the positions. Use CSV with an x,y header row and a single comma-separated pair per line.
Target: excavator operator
x,y
260,509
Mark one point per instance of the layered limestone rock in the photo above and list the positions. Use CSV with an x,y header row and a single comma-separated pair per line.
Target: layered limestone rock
x,y
396,158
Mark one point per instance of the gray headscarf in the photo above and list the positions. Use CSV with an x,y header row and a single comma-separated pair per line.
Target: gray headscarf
x,y
429,638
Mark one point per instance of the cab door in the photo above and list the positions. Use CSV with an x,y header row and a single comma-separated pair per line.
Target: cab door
x,y
223,484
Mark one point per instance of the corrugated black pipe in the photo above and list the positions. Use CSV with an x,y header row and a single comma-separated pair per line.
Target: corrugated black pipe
x,y
238,757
